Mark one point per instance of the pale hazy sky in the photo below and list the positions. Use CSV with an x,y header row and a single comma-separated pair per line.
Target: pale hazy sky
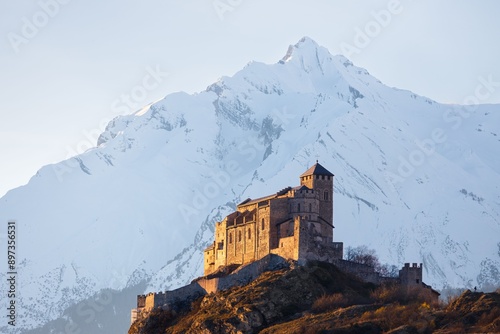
x,y
65,65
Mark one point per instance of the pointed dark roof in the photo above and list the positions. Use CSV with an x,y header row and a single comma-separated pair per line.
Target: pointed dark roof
x,y
299,188
317,169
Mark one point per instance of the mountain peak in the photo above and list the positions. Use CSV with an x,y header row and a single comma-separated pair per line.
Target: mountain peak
x,y
304,46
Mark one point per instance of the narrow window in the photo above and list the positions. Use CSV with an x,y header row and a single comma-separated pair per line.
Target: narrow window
x,y
298,207
239,236
263,224
230,238
310,207
249,234
326,196
418,281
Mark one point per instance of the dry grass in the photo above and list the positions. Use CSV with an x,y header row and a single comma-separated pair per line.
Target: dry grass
x,y
490,321
334,301
398,294
329,302
387,294
395,315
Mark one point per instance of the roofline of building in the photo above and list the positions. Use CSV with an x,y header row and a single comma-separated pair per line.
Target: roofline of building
x,y
317,169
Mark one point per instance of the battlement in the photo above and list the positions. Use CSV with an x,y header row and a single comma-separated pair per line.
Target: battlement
x,y
283,191
303,192
141,301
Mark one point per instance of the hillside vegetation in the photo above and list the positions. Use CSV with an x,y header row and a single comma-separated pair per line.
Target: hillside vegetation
x,y
319,298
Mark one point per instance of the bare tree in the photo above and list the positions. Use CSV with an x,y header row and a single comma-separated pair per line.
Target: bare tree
x,y
367,256
387,270
363,255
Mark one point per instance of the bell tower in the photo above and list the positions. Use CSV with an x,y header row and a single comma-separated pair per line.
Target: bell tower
x,y
320,180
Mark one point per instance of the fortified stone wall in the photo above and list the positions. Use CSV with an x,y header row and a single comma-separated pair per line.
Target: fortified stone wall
x,y
411,275
279,208
220,244
311,244
263,229
166,299
200,287
362,271
286,248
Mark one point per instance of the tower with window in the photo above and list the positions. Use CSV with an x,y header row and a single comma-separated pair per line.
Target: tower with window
x,y
320,180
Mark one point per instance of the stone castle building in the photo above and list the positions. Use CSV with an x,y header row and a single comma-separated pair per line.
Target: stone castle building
x,y
265,233
295,223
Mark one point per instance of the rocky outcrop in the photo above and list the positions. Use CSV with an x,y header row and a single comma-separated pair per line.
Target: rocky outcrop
x,y
321,298
271,298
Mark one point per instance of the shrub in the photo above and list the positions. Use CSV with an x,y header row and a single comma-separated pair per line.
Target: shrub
x,y
329,302
388,294
395,315
396,293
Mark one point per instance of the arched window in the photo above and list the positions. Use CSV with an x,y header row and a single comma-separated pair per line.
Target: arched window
x,y
310,207
263,224
239,236
298,207
230,238
249,233
326,195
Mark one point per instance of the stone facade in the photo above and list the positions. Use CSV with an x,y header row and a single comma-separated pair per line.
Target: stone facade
x,y
411,278
295,223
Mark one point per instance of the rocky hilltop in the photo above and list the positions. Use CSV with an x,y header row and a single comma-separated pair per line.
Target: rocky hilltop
x,y
320,298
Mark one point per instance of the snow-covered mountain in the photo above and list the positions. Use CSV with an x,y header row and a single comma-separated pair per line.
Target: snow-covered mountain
x,y
414,179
